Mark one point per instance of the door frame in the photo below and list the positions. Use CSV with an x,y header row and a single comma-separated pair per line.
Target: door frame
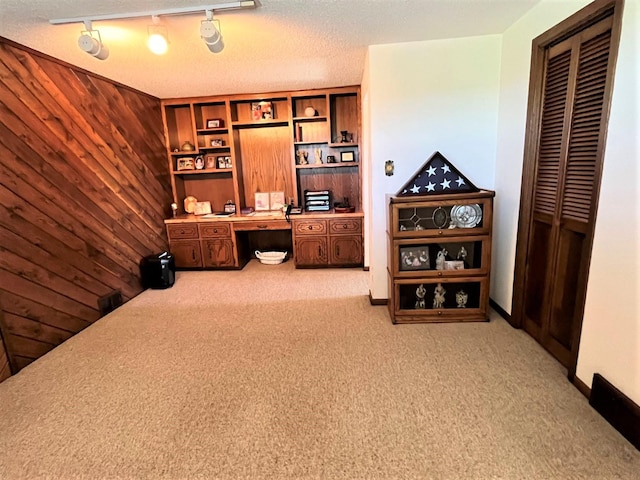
x,y
580,20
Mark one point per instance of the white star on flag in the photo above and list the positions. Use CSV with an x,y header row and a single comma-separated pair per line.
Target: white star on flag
x,y
460,181
431,170
445,168
431,187
415,188
445,184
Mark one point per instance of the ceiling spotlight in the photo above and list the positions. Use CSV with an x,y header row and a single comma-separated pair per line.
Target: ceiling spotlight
x,y
91,42
157,41
211,34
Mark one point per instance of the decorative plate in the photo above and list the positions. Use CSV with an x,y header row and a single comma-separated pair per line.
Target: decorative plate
x,y
466,216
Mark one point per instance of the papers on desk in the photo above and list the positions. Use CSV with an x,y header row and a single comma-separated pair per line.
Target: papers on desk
x,y
274,213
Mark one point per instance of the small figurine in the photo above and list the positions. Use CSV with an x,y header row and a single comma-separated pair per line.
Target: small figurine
x,y
302,157
462,254
461,299
174,209
440,258
438,296
420,293
318,155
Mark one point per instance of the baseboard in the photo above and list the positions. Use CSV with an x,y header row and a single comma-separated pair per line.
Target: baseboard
x,y
582,387
617,409
377,301
499,310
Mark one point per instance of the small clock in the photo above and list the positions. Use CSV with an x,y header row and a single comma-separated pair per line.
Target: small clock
x,y
466,216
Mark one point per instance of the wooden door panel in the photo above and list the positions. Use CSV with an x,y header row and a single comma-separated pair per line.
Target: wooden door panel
x,y
566,280
539,259
310,251
217,253
345,250
186,253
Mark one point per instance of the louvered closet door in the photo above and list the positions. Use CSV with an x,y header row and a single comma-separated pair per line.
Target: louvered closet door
x,y
567,176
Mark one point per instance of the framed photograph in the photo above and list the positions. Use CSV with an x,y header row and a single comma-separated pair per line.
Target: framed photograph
x,y
202,208
262,111
276,200
199,162
217,142
210,162
221,162
185,163
215,123
414,258
347,156
262,201
227,162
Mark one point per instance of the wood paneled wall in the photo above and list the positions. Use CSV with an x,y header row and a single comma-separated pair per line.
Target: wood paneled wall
x,y
84,190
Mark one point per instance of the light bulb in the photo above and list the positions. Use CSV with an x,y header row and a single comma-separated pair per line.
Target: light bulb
x,y
157,43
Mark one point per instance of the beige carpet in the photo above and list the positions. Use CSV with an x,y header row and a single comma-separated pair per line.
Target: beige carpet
x,y
277,373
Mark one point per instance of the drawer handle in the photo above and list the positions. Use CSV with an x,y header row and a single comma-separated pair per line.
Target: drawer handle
x,y
439,312
344,226
262,226
440,232
182,231
310,227
439,274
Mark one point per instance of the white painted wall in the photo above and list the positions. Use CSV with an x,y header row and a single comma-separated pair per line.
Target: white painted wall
x,y
424,97
610,342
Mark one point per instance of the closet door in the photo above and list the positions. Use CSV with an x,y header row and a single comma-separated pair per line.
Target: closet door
x,y
557,230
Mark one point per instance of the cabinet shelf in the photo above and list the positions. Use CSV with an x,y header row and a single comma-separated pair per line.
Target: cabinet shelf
x,y
311,143
211,131
309,119
202,172
346,145
261,123
328,165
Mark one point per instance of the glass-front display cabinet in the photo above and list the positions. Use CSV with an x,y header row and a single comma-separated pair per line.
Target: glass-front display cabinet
x,y
439,257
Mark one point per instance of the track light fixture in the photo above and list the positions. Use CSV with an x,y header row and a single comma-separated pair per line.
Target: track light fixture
x,y
210,33
157,41
91,42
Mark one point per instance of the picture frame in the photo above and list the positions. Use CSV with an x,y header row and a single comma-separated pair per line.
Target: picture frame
x,y
262,111
414,258
199,162
222,163
185,163
202,208
453,265
348,156
276,200
217,142
227,162
214,123
262,201
210,162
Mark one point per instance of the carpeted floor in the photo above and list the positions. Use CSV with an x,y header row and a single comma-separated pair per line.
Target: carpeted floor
x,y
278,373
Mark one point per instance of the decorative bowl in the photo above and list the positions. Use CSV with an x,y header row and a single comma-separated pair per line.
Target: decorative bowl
x,y
270,258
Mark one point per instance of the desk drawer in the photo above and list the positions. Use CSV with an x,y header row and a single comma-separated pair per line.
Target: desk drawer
x,y
345,225
310,227
253,225
214,230
182,230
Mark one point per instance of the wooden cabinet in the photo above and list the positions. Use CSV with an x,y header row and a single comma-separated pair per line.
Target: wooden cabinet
x,y
198,245
251,143
335,241
439,257
228,148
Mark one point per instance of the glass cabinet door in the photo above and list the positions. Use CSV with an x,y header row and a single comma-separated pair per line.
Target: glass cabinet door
x,y
448,218
427,256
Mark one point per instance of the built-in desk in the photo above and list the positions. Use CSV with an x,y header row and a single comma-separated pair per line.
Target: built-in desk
x,y
313,239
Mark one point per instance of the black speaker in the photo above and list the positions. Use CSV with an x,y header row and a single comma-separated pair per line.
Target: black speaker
x,y
158,271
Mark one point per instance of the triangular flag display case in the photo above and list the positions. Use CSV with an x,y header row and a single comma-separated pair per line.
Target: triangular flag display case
x,y
439,238
435,177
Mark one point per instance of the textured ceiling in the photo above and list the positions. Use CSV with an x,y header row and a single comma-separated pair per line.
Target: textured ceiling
x,y
281,45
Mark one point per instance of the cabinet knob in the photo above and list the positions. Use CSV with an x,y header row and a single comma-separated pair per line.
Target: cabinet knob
x,y
439,312
439,274
215,230
310,227
344,226
440,232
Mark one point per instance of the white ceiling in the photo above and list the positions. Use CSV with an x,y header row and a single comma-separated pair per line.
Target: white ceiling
x,y
281,45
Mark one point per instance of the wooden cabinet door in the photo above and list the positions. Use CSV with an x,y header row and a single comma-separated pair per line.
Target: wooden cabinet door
x,y
345,250
310,250
218,253
186,253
